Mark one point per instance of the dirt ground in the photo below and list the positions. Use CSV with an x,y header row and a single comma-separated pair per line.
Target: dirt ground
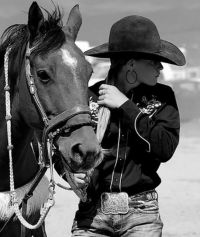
x,y
179,192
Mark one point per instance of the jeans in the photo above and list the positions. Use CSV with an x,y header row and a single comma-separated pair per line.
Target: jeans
x,y
142,220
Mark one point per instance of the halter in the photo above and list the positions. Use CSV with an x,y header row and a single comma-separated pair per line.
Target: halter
x,y
51,130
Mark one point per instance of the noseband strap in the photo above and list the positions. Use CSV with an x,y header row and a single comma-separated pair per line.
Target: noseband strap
x,y
67,115
52,130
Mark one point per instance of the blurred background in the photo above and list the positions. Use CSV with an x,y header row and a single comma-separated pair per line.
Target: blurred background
x,y
178,21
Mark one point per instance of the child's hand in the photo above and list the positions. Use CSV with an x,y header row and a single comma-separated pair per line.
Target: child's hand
x,y
81,180
110,96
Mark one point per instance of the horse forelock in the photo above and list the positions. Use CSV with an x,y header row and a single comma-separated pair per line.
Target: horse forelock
x,y
50,37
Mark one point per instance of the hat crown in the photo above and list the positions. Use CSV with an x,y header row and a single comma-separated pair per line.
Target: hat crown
x,y
136,34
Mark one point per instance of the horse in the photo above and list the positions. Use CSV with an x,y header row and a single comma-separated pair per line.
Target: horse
x,y
44,98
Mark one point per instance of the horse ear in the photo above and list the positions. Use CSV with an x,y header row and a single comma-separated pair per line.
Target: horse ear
x,y
35,20
73,23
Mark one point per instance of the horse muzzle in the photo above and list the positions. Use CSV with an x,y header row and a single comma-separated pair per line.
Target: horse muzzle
x,y
73,136
81,151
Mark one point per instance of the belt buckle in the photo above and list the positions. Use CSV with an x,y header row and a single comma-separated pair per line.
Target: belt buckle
x,y
114,203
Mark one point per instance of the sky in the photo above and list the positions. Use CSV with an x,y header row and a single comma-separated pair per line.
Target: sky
x,y
178,21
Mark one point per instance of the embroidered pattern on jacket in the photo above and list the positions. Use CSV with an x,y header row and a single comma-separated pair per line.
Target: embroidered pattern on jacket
x,y
149,106
94,109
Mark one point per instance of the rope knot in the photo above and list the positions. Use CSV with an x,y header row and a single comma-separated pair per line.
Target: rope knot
x,y
7,88
8,117
10,147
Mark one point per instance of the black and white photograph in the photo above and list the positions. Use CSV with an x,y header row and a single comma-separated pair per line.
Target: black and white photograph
x,y
99,118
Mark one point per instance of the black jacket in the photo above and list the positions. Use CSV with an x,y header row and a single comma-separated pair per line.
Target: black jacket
x,y
149,135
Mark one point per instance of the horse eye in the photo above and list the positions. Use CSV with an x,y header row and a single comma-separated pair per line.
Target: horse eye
x,y
44,77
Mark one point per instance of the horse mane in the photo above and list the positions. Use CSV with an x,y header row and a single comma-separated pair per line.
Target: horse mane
x,y
17,36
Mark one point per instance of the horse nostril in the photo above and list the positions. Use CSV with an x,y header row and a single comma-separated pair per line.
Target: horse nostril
x,y
84,154
77,153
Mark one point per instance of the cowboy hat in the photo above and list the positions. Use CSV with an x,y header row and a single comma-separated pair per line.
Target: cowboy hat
x,y
137,35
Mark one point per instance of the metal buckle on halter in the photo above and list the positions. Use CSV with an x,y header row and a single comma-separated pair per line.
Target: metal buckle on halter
x,y
114,203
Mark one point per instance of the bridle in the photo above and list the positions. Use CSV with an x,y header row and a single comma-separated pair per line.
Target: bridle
x,y
52,129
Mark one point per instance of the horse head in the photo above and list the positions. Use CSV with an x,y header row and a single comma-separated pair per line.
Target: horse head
x,y
59,73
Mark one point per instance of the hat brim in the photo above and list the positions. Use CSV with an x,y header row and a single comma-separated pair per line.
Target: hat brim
x,y
169,53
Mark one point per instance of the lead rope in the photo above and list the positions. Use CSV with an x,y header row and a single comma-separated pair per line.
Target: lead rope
x,y
14,201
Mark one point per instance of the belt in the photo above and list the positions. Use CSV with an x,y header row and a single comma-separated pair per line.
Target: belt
x,y
119,203
144,196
